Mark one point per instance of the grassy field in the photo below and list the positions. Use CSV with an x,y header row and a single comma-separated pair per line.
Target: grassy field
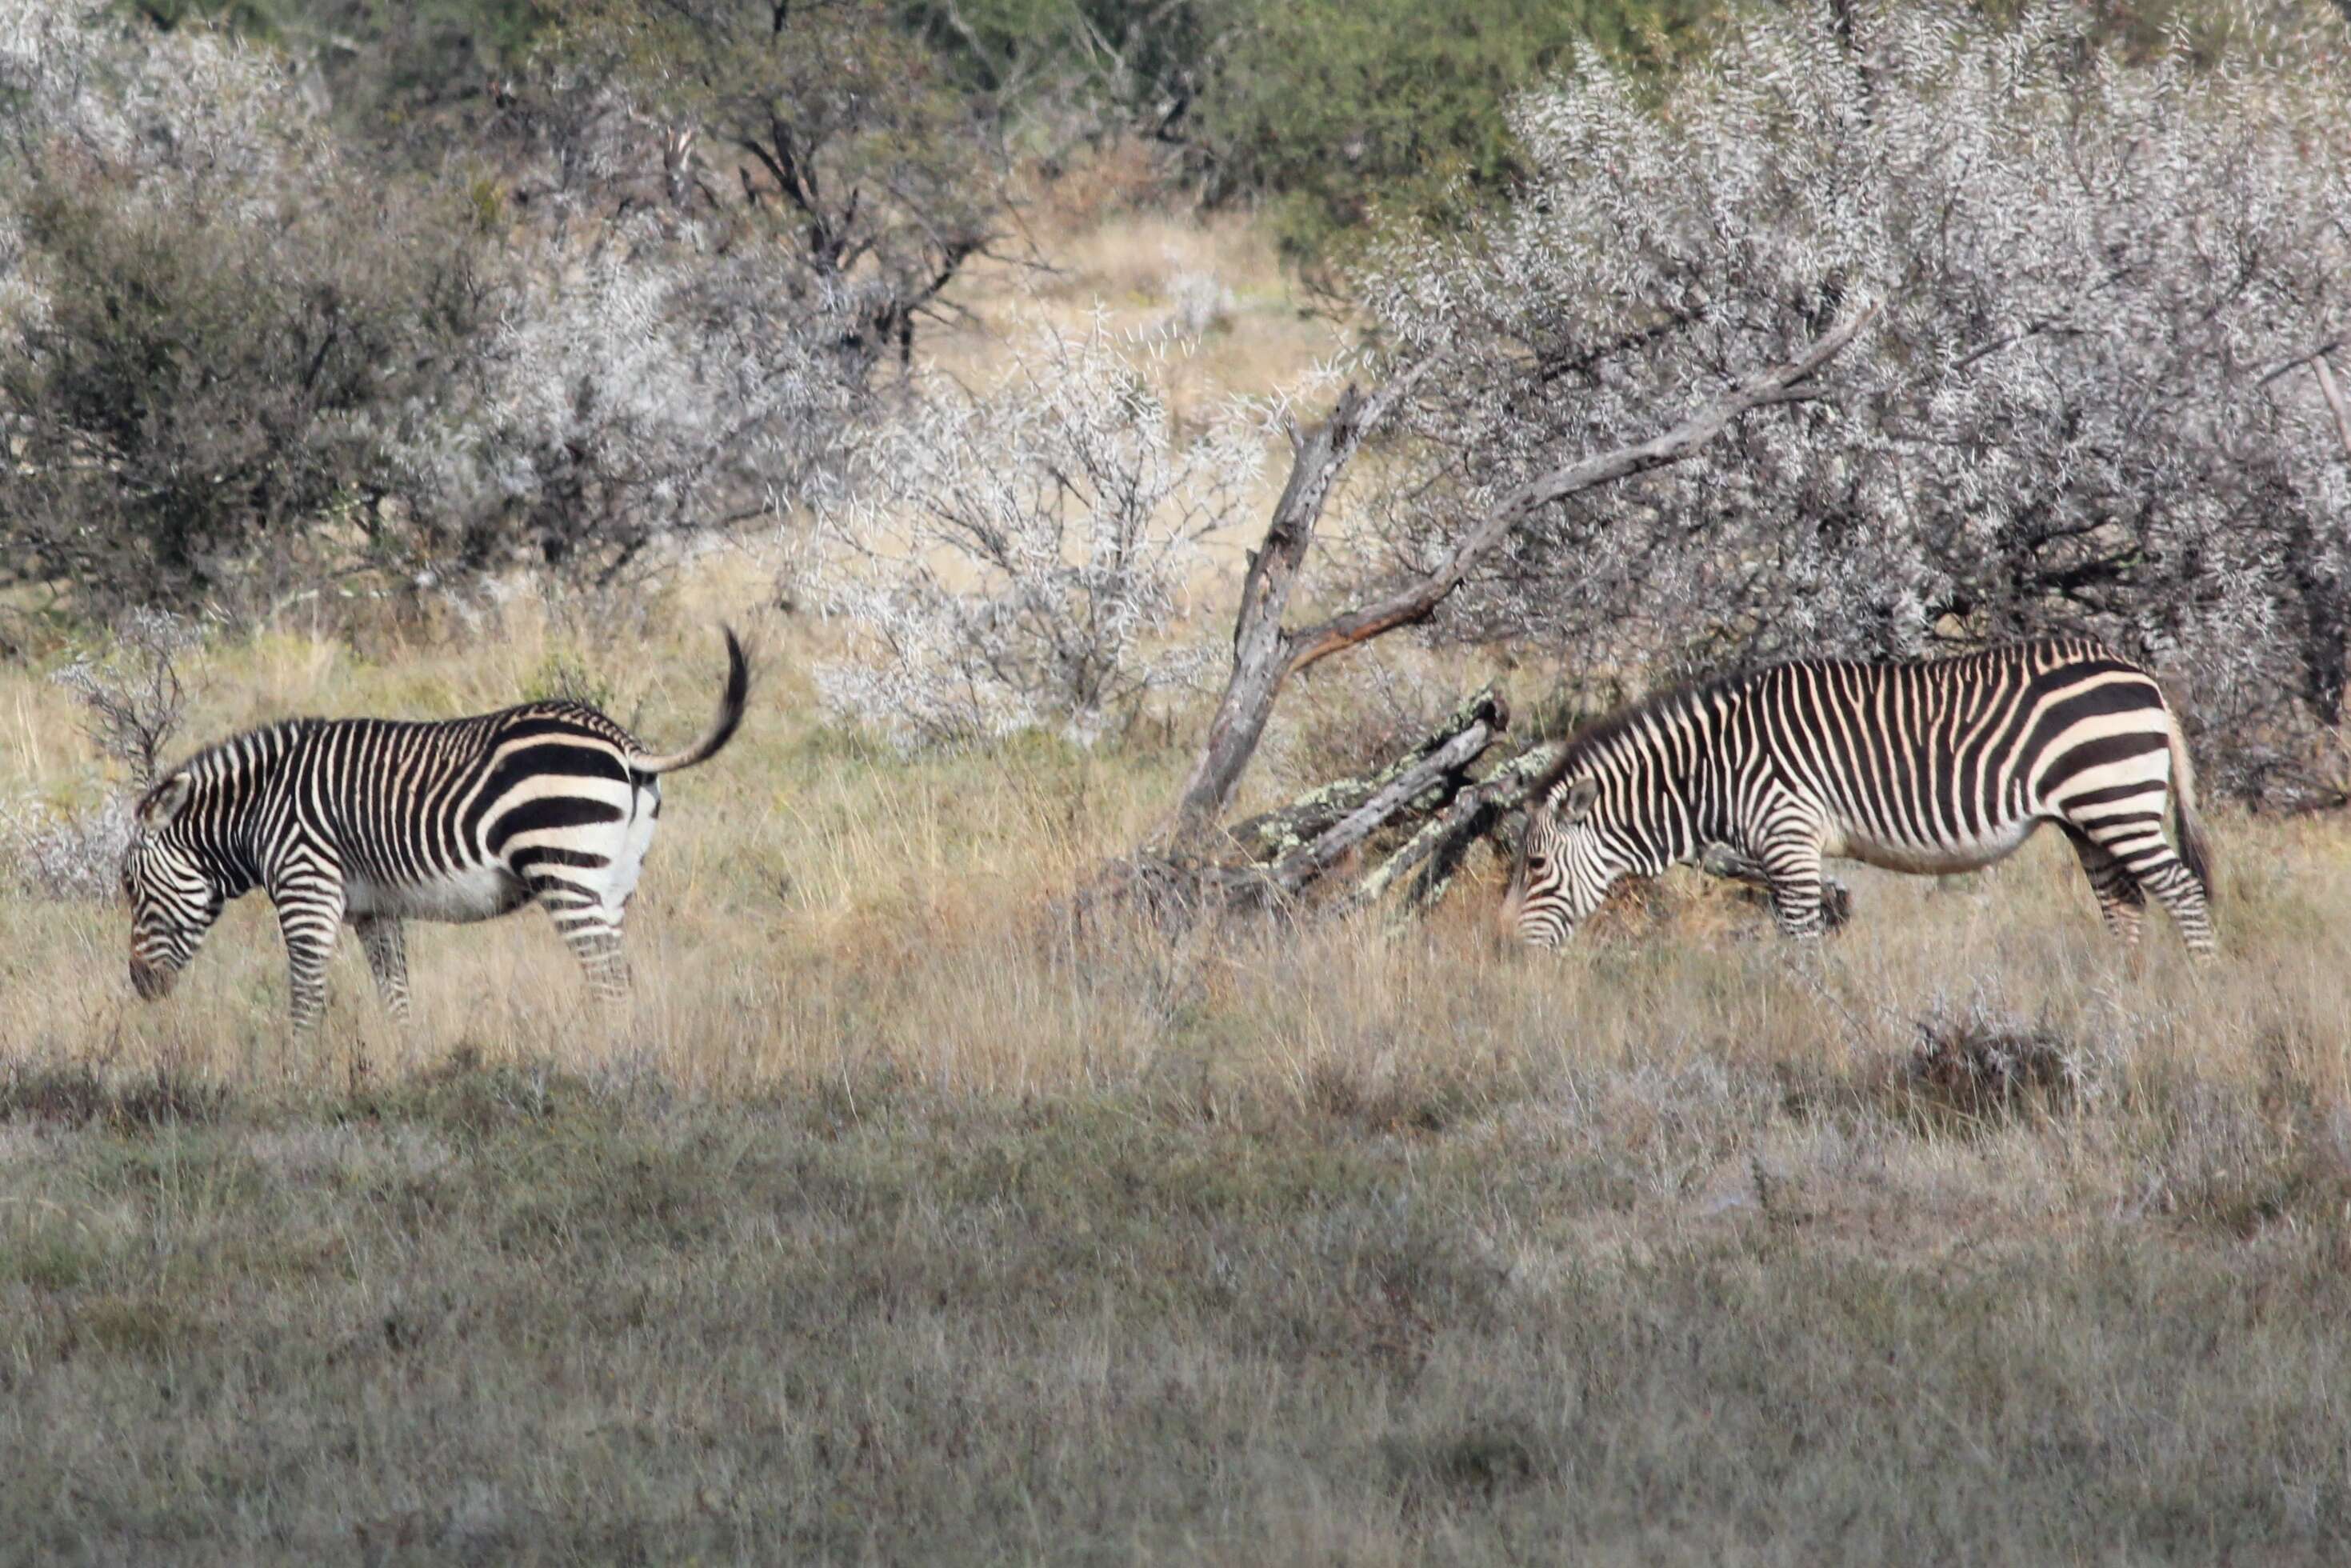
x,y
898,1220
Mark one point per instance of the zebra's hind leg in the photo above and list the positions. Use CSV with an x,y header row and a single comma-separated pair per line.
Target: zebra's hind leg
x,y
2136,844
591,929
387,955
2184,896
2121,900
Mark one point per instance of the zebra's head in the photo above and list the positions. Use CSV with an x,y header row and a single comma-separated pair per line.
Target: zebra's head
x,y
1561,873
174,899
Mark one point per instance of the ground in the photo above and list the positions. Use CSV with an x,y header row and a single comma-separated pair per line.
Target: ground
x,y
902,1219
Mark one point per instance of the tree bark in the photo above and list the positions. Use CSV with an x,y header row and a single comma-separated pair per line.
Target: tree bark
x,y
1272,835
1265,653
1260,646
1296,870
1438,851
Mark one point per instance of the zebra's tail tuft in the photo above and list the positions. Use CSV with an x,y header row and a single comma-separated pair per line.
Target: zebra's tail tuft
x,y
2195,850
722,728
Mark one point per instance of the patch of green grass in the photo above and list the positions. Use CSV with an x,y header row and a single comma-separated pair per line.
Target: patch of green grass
x,y
504,1313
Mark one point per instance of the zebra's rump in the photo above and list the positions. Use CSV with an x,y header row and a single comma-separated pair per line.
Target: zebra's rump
x,y
466,819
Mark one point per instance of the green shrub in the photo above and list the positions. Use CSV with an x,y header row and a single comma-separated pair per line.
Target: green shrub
x,y
1340,108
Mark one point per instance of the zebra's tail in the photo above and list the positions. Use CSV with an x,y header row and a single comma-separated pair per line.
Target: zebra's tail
x,y
722,728
2195,850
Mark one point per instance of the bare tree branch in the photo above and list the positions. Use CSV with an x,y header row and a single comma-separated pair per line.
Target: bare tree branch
x,y
2335,401
1265,654
1294,872
1415,602
1261,648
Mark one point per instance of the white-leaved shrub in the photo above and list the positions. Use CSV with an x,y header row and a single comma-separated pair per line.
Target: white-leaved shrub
x,y
2081,409
628,401
1199,303
238,363
133,696
1017,556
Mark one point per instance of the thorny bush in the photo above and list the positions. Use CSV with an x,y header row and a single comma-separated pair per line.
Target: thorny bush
x,y
1016,557
2087,406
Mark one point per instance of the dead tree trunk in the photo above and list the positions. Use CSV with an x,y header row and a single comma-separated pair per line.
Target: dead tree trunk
x,y
1261,649
1290,849
1265,653
1435,854
1270,835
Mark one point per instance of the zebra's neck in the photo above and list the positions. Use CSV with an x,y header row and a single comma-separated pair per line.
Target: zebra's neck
x,y
1676,762
224,820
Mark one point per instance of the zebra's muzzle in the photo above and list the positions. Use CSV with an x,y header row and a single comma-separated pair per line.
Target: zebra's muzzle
x,y
149,982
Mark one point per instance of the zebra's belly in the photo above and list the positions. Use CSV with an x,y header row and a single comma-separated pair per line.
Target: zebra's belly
x,y
1972,853
477,893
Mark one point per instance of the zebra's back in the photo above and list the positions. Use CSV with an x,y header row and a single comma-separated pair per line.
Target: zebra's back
x,y
1941,764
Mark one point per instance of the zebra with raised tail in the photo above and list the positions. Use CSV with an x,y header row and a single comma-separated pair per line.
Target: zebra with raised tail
x,y
373,822
1931,765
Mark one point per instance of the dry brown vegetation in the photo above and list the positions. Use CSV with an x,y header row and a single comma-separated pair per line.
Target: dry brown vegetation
x,y
895,1223
899,1221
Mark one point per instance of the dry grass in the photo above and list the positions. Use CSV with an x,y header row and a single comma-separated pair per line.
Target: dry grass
x,y
893,1223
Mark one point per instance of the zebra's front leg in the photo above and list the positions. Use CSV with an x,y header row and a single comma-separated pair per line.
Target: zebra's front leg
x,y
386,946
1791,868
309,917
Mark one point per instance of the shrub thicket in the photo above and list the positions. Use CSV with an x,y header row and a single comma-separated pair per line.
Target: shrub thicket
x,y
1018,557
240,358
2087,405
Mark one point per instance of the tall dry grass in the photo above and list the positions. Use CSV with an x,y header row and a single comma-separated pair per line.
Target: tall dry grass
x,y
896,1219
817,905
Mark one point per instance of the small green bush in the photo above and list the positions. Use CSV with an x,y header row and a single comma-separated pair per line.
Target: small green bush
x,y
1341,110
217,370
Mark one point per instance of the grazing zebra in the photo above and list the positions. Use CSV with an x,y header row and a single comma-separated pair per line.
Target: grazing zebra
x,y
376,821
1933,766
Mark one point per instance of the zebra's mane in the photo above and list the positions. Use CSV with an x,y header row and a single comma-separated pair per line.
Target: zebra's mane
x,y
1594,738
226,753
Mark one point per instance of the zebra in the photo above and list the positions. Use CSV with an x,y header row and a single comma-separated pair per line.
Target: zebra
x,y
373,822
1930,766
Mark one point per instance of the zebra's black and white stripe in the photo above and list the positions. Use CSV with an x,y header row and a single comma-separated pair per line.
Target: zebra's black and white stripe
x,y
374,821
1933,766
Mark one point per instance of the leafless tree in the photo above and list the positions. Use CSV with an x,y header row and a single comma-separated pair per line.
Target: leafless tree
x,y
1019,555
132,695
1267,651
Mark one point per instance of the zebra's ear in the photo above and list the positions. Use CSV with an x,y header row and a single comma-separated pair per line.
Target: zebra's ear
x,y
165,801
1576,804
